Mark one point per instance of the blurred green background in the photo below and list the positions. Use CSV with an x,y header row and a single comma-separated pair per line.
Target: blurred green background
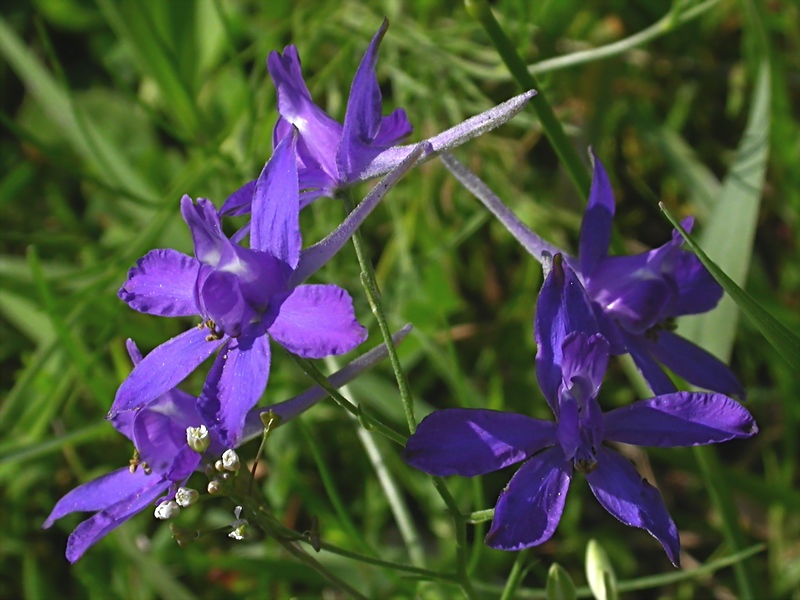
x,y
111,110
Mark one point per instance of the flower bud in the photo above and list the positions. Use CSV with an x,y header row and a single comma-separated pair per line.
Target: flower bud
x,y
214,486
186,496
168,509
198,438
219,466
230,460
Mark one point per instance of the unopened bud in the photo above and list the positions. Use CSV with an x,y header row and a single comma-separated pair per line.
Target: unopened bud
x,y
198,438
214,486
168,509
183,536
219,466
239,525
186,496
230,460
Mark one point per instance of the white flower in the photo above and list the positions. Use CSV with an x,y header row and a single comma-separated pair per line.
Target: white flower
x,y
230,460
168,509
186,496
198,438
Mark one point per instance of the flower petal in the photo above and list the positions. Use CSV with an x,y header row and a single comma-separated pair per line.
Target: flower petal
x,y
584,364
633,501
321,133
595,237
365,134
206,229
530,507
275,225
99,493
470,442
162,283
694,364
680,419
163,369
563,308
240,201
236,382
93,529
652,372
316,321
698,292
447,140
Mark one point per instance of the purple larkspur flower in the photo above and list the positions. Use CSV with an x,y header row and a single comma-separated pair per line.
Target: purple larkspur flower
x,y
635,298
159,433
570,364
333,155
244,296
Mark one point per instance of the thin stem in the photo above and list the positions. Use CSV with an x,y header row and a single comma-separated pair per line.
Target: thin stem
x,y
460,522
366,420
577,171
372,290
664,25
480,516
721,497
515,577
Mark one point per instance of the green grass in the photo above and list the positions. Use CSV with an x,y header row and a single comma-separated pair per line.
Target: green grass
x,y
112,110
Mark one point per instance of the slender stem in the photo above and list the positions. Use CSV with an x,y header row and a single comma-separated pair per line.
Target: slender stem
x,y
480,516
366,420
460,523
370,284
721,496
577,171
515,577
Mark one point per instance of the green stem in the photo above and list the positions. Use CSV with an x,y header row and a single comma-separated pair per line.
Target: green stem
x,y
366,420
481,11
460,522
479,516
721,496
515,577
370,284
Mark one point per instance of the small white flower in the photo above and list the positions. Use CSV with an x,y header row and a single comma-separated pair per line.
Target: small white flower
x,y
230,460
239,525
219,466
214,486
186,496
168,509
198,438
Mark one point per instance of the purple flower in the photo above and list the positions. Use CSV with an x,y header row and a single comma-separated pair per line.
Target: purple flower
x,y
332,155
159,433
244,296
635,298
570,364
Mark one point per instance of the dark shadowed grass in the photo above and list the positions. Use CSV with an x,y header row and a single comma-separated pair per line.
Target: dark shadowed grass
x,y
112,110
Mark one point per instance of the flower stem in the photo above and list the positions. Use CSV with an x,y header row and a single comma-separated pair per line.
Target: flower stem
x,y
460,522
515,577
368,421
577,171
372,290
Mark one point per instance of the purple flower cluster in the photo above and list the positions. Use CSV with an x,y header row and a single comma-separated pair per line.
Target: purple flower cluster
x,y
589,308
245,297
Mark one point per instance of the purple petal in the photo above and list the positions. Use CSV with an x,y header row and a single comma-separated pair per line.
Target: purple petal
x,y
162,283
223,302
680,419
163,369
595,237
535,245
634,290
321,133
652,372
633,501
206,229
365,134
447,140
240,201
316,321
236,382
289,409
159,432
316,256
530,507
99,493
698,292
275,225
584,364
93,529
563,308
694,364
470,442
